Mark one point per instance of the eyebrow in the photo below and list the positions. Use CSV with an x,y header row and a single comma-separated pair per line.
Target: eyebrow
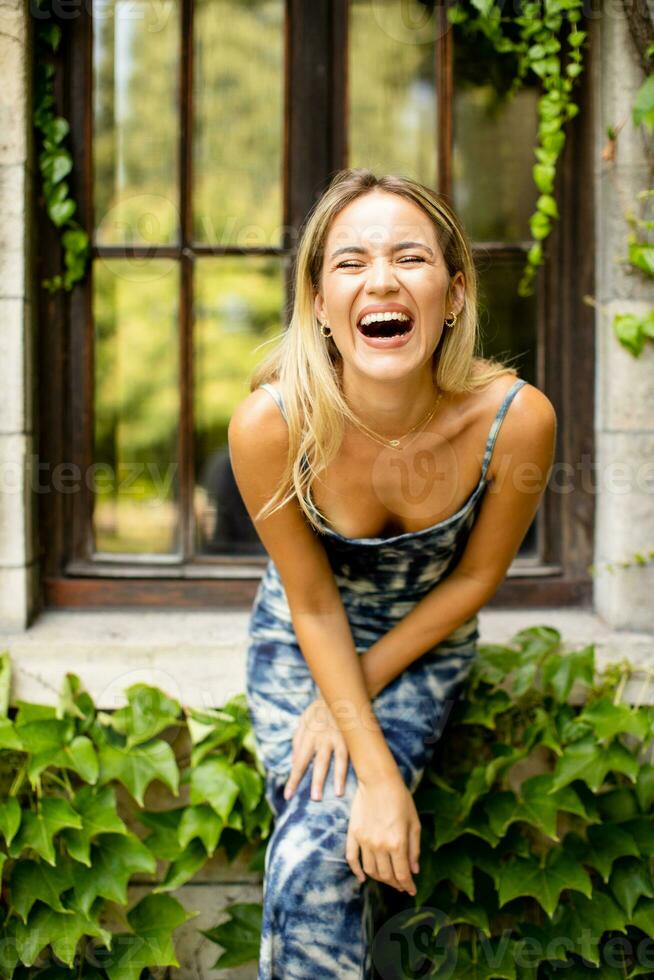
x,y
397,247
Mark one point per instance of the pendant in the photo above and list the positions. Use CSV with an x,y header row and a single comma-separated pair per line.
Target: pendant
x,y
394,442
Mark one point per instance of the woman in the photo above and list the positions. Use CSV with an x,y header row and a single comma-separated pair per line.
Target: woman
x,y
362,476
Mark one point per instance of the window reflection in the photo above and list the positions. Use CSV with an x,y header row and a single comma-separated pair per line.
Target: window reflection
x,y
239,122
391,84
237,308
135,70
136,406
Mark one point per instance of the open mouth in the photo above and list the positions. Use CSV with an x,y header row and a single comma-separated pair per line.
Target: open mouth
x,y
385,325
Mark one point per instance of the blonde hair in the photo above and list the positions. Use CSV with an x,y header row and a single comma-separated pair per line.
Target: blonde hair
x,y
306,365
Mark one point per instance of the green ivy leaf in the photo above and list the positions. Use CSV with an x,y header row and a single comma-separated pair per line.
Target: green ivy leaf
x,y
584,920
114,858
10,816
450,863
562,670
645,786
543,882
55,165
190,860
608,720
629,881
148,712
33,881
153,920
642,257
163,842
240,936
203,822
37,829
136,768
544,177
605,844
45,734
213,782
591,762
97,809
61,211
62,931
79,755
483,711
643,108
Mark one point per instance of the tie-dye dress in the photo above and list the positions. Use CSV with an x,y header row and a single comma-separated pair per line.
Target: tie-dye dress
x,y
317,916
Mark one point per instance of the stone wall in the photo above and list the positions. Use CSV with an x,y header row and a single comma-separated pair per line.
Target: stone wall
x,y
17,538
624,403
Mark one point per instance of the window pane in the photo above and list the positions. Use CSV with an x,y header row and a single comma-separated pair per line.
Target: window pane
x,y
492,161
392,95
239,122
508,323
135,308
135,121
237,307
508,326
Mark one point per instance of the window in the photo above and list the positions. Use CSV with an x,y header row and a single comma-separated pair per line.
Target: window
x,y
203,131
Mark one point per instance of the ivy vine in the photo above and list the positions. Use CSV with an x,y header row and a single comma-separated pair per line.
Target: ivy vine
x,y
55,161
534,37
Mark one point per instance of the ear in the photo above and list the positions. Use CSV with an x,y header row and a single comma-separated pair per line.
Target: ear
x,y
457,292
319,307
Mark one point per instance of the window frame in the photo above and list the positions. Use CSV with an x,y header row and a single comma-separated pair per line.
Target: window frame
x,y
316,69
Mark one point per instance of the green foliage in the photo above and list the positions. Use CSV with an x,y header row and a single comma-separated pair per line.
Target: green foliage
x,y
545,41
536,814
68,856
55,160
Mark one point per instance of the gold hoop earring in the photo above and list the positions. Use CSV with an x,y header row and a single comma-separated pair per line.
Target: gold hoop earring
x,y
322,329
451,319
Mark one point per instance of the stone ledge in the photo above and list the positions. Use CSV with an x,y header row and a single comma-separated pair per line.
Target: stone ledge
x,y
198,657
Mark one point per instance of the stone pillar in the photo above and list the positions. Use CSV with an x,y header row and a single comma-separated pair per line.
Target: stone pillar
x,y
624,383
18,579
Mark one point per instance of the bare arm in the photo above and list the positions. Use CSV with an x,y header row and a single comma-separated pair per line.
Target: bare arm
x,y
258,444
523,457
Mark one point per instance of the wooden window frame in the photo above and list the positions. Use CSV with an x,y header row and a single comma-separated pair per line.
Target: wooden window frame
x,y
315,46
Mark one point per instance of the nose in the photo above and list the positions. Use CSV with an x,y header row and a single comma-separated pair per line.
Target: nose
x,y
381,277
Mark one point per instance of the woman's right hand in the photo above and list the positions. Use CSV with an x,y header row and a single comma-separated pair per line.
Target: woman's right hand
x,y
385,827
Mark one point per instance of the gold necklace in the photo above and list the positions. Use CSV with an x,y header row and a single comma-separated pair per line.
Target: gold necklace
x,y
395,443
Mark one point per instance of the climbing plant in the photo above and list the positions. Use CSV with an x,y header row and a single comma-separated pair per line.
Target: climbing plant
x,y
542,40
54,158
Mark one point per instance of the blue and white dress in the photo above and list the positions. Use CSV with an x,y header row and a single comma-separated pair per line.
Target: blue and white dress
x,y
316,914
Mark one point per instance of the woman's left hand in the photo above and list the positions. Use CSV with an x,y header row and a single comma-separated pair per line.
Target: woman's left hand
x,y
316,737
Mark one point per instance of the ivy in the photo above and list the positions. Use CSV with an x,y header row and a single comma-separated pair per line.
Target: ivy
x,y
537,38
536,814
55,160
75,826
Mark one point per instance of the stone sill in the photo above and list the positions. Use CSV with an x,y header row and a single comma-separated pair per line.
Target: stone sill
x,y
198,657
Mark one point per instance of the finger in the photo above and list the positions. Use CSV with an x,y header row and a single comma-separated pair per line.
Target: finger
x,y
401,868
340,771
414,847
301,759
352,856
368,861
385,870
320,767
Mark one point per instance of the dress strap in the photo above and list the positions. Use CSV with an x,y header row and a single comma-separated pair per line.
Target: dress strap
x,y
277,396
497,421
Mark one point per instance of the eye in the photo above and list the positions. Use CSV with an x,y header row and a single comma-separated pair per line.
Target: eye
x,y
357,265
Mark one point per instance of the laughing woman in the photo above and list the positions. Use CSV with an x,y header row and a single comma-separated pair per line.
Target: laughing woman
x,y
382,463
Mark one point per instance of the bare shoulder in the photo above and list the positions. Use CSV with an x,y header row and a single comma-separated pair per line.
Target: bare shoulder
x,y
528,430
258,447
256,409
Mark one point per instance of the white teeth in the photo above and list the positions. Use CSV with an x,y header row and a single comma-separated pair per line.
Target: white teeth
x,y
374,317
